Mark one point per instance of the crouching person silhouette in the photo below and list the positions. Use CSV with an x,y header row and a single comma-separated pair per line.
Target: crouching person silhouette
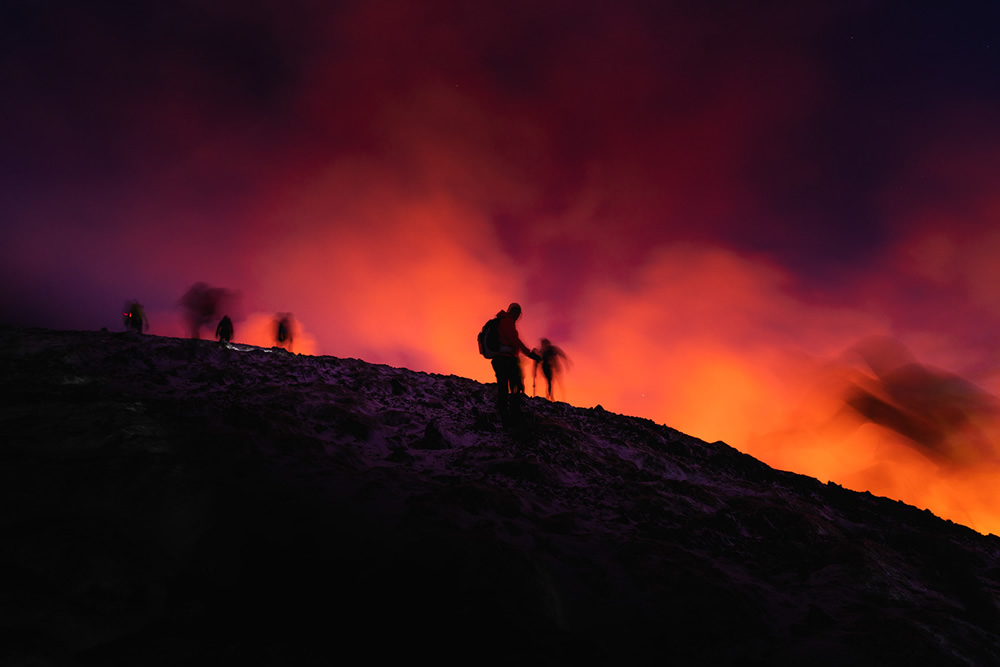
x,y
507,366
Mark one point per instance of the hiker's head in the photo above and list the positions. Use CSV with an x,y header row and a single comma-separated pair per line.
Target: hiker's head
x,y
514,310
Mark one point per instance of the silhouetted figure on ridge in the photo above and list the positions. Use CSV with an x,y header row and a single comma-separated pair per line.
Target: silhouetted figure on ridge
x,y
134,317
283,327
224,330
202,303
507,366
551,360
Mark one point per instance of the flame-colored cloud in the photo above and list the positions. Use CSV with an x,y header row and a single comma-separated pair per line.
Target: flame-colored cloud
x,y
705,208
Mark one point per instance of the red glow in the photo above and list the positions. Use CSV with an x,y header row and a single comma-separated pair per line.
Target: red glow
x,y
704,208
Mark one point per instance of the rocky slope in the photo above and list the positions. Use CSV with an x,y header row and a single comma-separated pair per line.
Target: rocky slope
x,y
169,501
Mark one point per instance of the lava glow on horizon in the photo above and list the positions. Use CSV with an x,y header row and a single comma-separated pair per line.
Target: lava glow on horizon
x,y
734,220
734,358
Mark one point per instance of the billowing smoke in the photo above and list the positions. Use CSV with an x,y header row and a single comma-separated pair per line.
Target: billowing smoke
x,y
707,209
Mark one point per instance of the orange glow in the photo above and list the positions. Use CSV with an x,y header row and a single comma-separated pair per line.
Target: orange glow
x,y
700,338
711,344
704,340
259,329
705,210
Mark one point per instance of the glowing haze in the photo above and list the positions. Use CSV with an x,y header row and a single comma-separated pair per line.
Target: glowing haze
x,y
710,207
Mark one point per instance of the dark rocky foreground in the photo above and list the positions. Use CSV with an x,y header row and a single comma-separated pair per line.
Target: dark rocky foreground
x,y
175,502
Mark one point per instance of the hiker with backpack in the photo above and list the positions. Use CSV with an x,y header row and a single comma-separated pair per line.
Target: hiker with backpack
x,y
499,342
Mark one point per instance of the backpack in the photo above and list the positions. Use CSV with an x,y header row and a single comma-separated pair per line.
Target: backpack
x,y
489,338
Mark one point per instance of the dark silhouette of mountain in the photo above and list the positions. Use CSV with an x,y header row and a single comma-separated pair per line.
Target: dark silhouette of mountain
x,y
170,502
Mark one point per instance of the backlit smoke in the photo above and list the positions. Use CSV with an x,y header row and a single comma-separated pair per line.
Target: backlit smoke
x,y
707,210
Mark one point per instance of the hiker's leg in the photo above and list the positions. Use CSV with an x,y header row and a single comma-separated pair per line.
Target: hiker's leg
x,y
514,409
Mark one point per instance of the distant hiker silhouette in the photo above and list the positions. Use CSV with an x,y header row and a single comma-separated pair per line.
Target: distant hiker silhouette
x,y
134,316
551,360
224,331
201,303
507,366
283,330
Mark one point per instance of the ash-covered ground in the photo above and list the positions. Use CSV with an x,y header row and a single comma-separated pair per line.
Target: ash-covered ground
x,y
169,501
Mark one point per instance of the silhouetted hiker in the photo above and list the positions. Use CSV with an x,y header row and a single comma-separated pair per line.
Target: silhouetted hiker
x,y
224,332
134,317
283,330
507,366
551,359
201,303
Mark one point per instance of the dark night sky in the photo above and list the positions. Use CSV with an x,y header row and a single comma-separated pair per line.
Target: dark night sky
x,y
694,199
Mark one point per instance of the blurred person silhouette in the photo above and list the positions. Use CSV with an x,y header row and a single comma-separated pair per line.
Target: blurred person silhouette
x,y
201,304
134,316
507,366
283,330
552,360
944,416
224,330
